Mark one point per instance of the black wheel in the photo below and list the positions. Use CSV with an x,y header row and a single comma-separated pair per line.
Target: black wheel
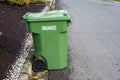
x,y
38,65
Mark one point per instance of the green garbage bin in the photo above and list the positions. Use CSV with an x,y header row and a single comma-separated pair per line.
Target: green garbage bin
x,y
49,32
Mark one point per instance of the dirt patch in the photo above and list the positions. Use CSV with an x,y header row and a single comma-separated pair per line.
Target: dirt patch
x,y
13,32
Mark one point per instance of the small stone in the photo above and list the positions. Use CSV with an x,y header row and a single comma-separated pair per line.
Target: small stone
x,y
46,71
3,12
41,79
0,33
23,77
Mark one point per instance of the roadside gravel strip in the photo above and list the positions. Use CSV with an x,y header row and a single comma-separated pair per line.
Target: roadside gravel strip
x,y
14,73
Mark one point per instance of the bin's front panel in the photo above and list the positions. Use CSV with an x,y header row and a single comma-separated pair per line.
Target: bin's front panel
x,y
38,27
50,42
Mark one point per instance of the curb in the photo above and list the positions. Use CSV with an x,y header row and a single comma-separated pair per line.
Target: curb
x,y
49,7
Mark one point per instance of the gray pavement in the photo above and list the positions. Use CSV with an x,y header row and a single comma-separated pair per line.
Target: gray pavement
x,y
94,40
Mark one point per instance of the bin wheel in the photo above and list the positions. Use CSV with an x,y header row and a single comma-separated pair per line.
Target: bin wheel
x,y
38,65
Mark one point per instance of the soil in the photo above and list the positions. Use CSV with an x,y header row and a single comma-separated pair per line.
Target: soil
x,y
12,33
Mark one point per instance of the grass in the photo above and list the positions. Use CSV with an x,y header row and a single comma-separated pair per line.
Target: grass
x,y
18,2
43,1
117,0
26,2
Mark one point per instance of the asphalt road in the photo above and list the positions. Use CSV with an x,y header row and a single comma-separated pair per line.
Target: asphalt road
x,y
94,41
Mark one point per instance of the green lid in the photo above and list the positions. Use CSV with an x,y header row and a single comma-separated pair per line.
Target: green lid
x,y
47,16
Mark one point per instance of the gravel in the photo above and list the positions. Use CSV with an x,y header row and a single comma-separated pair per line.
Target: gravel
x,y
14,73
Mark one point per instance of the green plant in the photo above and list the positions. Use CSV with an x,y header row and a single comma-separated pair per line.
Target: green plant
x,y
117,0
18,2
42,1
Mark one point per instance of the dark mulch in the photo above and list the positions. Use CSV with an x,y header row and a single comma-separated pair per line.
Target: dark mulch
x,y
13,32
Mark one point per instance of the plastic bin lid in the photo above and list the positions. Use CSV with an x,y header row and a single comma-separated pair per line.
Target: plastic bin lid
x,y
47,16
